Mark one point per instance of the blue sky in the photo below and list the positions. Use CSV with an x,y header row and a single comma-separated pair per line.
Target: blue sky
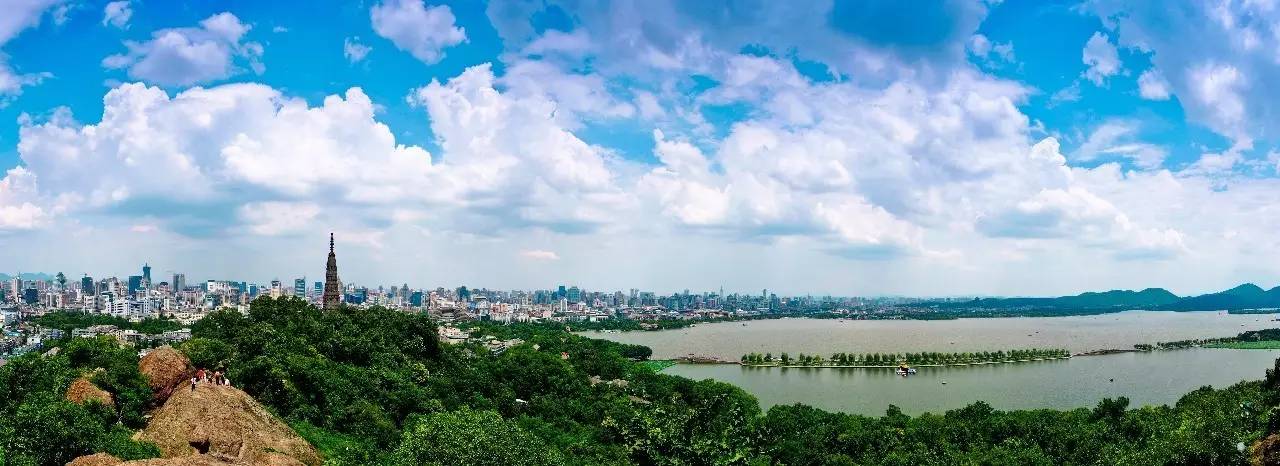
x,y
845,148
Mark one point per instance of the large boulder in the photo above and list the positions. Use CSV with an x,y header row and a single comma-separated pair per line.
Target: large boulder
x,y
226,424
96,459
82,390
165,368
196,460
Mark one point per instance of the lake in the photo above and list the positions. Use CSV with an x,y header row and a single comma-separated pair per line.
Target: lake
x,y
1145,378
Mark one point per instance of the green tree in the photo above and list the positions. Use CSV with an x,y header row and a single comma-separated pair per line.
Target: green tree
x,y
39,427
208,353
480,438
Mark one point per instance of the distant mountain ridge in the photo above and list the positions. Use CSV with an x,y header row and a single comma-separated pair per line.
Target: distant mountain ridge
x,y
1244,297
28,276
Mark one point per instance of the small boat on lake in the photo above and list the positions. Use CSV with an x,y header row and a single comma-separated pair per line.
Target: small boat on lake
x,y
905,370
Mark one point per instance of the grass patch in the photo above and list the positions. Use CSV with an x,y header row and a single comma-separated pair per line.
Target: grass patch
x,y
1264,344
659,365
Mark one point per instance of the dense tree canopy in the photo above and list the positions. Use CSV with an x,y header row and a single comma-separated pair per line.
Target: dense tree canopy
x,y
38,426
479,438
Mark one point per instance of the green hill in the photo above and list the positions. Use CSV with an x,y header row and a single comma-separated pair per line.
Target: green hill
x,y
1246,296
1149,298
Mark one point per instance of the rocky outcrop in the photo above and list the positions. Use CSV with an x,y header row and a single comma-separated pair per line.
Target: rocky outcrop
x,y
96,459
82,390
210,426
224,424
165,369
103,459
1266,452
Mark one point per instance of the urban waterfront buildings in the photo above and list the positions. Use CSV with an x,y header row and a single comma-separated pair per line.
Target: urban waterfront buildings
x,y
137,298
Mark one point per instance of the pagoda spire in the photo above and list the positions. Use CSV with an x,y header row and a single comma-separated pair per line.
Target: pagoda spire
x,y
332,287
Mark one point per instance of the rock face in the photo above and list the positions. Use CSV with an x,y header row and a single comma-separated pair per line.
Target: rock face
x,y
224,424
82,391
103,459
96,459
165,368
1266,452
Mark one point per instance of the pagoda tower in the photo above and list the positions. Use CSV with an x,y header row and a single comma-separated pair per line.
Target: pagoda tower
x,y
332,287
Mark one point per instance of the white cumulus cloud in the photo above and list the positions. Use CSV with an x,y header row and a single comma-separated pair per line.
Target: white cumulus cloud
x,y
186,56
220,149
246,154
1153,86
117,14
423,31
1101,57
17,196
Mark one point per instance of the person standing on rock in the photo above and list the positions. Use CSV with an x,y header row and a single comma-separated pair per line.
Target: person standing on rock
x,y
193,383
201,375
217,377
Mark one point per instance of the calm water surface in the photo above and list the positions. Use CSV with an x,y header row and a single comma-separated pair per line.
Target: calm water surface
x,y
1146,378
730,340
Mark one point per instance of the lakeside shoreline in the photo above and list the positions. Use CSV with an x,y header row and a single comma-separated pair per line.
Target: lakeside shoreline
x,y
1102,352
827,366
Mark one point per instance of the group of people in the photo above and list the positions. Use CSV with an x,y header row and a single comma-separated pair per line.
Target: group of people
x,y
206,376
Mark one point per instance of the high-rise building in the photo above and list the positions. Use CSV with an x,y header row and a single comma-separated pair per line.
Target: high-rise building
x,y
179,282
146,273
319,289
86,286
15,286
300,287
574,295
135,284
332,287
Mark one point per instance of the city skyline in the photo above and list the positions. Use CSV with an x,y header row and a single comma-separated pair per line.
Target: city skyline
x,y
301,286
844,148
